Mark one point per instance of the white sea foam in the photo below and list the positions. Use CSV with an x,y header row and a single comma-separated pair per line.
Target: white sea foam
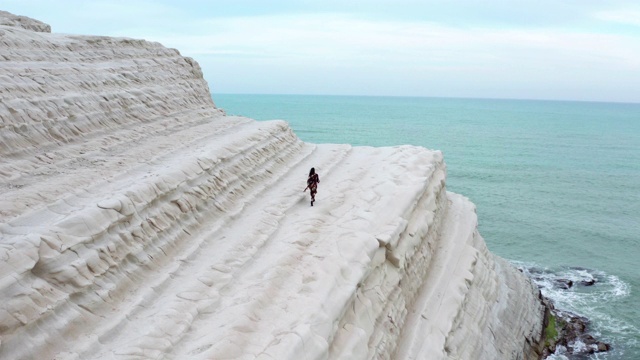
x,y
578,346
620,288
559,354
569,287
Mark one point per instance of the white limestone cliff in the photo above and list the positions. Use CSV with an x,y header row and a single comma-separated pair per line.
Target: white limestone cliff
x,y
138,221
9,19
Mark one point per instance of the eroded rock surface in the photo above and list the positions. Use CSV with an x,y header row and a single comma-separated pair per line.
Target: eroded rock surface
x,y
9,19
139,221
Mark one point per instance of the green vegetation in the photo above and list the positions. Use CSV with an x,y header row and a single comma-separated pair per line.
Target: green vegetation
x,y
550,332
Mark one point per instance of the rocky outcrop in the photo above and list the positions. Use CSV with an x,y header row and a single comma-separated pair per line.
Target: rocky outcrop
x,y
139,221
23,22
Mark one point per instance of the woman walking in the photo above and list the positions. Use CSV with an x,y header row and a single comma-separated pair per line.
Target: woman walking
x,y
312,184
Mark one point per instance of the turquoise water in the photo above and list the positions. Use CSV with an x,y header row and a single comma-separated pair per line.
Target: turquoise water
x,y
556,184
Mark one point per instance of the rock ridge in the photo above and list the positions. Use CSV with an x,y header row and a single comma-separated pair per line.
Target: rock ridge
x,y
9,19
139,221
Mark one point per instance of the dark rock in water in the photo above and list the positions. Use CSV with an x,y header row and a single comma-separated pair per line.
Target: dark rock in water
x,y
578,324
563,283
588,282
588,339
573,329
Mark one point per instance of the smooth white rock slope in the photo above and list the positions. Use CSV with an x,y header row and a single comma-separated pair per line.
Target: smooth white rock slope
x,y
138,221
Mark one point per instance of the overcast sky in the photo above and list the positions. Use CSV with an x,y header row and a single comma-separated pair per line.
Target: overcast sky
x,y
538,49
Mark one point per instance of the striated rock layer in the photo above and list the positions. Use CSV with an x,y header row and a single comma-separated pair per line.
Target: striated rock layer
x,y
139,221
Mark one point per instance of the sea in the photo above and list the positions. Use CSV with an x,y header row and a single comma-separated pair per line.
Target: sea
x,y
556,185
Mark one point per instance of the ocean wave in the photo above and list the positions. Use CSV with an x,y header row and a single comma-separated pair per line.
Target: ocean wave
x,y
575,287
621,289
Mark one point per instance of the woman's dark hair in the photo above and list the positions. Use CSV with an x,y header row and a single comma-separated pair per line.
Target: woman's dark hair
x,y
312,171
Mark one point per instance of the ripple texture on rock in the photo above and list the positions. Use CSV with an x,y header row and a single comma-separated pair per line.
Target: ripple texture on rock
x,y
139,221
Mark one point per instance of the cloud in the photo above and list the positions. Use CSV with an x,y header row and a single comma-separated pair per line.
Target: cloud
x,y
627,17
339,39
346,52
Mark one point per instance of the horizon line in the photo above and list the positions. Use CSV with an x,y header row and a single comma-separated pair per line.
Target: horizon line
x,y
436,97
